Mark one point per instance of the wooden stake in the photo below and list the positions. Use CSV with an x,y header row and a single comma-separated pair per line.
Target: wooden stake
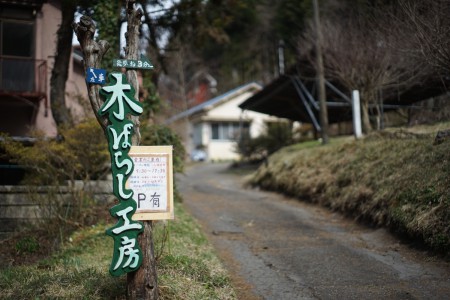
x,y
143,283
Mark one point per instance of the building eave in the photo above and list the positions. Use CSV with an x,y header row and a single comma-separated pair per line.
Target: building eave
x,y
216,101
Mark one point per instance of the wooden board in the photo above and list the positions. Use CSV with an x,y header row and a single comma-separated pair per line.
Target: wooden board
x,y
152,182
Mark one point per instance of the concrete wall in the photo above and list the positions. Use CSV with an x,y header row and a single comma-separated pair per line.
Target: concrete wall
x,y
17,210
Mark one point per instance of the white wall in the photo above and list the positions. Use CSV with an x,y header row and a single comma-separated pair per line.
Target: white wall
x,y
259,120
222,150
230,112
199,130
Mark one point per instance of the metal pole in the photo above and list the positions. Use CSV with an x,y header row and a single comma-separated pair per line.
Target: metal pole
x,y
356,107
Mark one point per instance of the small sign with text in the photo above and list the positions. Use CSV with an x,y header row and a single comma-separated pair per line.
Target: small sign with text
x,y
142,63
97,76
152,182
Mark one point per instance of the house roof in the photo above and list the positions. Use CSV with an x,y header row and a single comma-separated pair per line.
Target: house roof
x,y
207,105
292,96
26,3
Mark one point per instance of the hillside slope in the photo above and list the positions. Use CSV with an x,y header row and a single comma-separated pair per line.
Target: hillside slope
x,y
394,178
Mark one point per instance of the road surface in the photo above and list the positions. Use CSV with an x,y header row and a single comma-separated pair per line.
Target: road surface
x,y
280,248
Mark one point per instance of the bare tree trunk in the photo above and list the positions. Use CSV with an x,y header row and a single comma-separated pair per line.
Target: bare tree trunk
x,y
321,77
143,283
184,130
92,57
365,116
60,70
132,52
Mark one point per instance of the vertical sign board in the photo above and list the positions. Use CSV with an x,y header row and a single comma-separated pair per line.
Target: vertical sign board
x,y
120,102
152,182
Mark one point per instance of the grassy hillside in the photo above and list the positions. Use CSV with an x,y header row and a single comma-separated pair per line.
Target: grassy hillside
x,y
395,178
187,268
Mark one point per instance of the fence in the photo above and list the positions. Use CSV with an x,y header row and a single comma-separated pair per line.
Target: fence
x,y
23,75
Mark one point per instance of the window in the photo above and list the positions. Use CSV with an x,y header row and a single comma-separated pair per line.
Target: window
x,y
215,131
16,51
17,39
228,130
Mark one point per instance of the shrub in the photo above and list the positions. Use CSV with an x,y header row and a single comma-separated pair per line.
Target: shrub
x,y
277,135
59,172
79,153
162,135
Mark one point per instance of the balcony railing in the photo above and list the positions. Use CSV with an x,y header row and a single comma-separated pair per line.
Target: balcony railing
x,y
23,76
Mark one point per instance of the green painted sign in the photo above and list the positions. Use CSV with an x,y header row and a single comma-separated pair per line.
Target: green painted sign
x,y
120,102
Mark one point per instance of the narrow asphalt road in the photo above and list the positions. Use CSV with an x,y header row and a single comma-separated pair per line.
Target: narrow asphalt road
x,y
280,248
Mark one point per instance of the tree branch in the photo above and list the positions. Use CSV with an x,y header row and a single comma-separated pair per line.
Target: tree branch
x,y
132,52
92,57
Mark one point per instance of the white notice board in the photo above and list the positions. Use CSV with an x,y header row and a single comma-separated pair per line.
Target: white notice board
x,y
152,182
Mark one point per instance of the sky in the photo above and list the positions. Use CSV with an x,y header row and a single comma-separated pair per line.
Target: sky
x,y
152,9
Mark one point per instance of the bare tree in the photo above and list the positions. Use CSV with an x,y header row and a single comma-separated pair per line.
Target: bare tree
x,y
320,75
60,69
431,26
142,283
367,52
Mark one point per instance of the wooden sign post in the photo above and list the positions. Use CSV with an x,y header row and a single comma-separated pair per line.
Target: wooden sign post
x,y
118,114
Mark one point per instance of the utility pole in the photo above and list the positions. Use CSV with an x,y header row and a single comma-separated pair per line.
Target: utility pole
x,y
321,76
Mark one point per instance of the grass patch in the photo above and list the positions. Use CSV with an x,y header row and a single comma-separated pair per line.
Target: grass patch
x,y
394,178
187,268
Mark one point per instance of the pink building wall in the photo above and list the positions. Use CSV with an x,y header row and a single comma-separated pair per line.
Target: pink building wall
x,y
48,21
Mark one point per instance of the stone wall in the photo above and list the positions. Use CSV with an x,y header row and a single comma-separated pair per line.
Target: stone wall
x,y
17,210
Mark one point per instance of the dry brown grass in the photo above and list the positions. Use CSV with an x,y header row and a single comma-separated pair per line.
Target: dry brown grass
x,y
395,178
188,269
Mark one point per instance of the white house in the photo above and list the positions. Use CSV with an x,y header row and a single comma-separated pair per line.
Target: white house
x,y
214,125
